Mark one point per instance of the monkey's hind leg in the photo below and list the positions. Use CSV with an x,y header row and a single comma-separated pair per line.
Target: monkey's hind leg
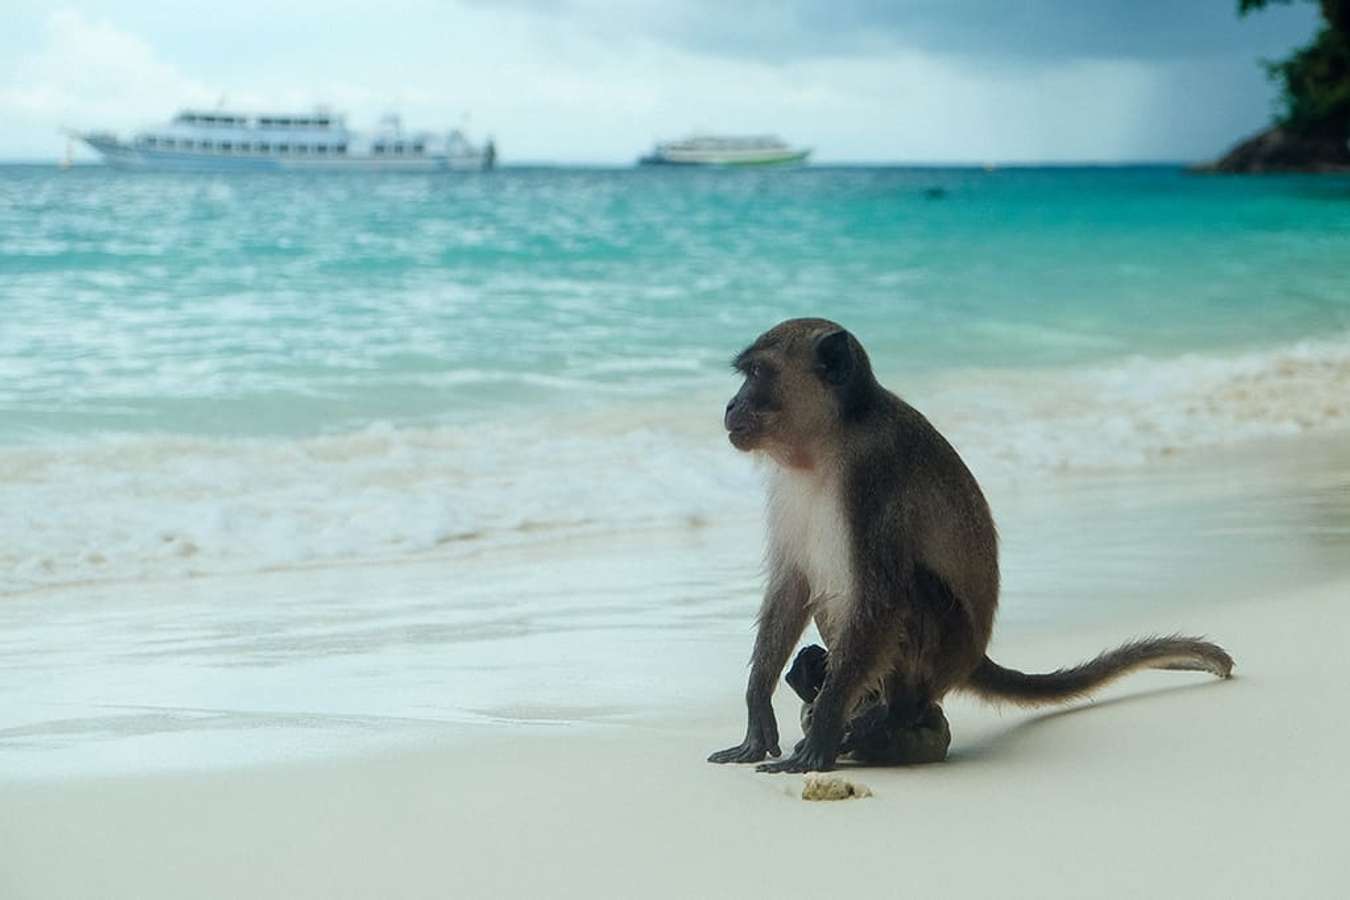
x,y
900,741
878,734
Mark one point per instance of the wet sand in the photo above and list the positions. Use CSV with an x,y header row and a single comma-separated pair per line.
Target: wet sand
x,y
1170,784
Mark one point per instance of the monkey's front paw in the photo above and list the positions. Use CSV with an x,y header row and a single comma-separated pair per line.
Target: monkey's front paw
x,y
803,760
745,752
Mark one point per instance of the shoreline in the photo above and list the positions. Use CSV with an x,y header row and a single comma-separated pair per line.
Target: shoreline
x,y
1272,464
317,662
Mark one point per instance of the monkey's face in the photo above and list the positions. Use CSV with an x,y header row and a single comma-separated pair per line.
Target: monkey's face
x,y
789,402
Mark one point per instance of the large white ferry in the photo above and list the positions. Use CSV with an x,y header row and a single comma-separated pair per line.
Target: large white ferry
x,y
317,141
715,150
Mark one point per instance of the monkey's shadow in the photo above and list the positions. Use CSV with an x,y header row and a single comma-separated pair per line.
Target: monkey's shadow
x,y
991,744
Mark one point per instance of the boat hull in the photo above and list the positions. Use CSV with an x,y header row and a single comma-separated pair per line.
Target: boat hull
x,y
125,156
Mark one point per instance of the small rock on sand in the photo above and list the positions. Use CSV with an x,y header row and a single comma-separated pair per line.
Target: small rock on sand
x,y
832,787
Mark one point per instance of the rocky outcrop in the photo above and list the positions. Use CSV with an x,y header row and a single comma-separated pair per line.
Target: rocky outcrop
x,y
1276,150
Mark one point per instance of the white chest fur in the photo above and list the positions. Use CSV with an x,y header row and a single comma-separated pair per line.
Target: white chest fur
x,y
808,529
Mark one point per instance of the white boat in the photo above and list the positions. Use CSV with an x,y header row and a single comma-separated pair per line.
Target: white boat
x,y
319,141
725,150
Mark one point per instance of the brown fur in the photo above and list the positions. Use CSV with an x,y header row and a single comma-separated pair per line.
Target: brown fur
x,y
906,599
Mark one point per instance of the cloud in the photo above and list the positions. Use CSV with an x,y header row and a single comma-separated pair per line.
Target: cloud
x,y
591,81
84,73
1027,32
82,69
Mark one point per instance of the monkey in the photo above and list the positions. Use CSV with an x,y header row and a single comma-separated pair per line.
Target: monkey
x,y
880,534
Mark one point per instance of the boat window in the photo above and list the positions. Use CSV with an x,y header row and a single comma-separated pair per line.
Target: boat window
x,y
169,142
226,146
377,149
301,148
323,123
321,148
284,123
398,146
264,147
302,123
150,142
341,149
419,148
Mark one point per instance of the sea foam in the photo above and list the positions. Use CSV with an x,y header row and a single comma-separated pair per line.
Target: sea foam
x,y
143,506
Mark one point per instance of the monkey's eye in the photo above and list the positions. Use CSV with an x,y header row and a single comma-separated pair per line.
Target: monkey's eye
x,y
755,370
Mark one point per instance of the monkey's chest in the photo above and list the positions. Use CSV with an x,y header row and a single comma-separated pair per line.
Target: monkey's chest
x,y
810,532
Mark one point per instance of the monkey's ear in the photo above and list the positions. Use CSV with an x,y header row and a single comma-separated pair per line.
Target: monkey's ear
x,y
834,357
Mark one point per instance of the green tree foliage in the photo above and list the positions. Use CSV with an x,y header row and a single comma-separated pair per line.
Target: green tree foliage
x,y
1315,80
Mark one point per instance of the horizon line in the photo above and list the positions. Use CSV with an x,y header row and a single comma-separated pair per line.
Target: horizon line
x,y
58,162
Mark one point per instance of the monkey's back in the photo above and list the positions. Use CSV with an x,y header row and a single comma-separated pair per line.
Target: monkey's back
x,y
915,486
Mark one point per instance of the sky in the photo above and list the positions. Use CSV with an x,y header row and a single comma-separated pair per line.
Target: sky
x,y
584,81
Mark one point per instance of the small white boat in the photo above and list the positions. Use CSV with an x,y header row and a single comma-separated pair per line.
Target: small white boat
x,y
318,141
725,150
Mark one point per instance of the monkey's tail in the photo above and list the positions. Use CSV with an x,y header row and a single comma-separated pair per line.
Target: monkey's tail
x,y
994,682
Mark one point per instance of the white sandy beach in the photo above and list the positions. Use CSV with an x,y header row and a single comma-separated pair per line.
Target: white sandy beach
x,y
1169,784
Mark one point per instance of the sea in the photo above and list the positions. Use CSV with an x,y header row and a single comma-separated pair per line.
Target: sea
x,y
231,405
221,373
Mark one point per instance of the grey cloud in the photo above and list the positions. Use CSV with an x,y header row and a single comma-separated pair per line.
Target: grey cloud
x,y
1029,31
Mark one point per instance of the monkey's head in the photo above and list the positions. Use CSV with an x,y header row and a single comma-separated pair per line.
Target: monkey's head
x,y
803,379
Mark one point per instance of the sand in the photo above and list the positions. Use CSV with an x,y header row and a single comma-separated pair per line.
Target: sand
x,y
1169,784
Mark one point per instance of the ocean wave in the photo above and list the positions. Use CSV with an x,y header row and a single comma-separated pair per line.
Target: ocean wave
x,y
1139,409
132,507
143,507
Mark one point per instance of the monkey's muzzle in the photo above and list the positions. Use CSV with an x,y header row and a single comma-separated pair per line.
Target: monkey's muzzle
x,y
742,426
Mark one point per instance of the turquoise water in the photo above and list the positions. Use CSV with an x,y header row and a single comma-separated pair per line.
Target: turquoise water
x,y
206,374
301,304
